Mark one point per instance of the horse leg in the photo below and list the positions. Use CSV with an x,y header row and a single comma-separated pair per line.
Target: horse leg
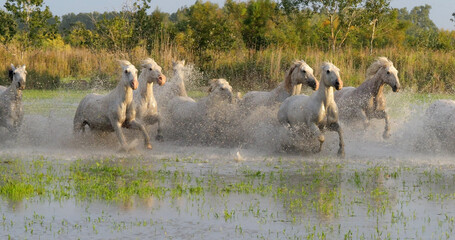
x,y
155,119
118,131
136,125
336,127
383,114
315,131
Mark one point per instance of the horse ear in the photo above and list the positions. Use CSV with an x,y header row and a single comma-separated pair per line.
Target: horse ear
x,y
174,63
212,85
12,67
182,62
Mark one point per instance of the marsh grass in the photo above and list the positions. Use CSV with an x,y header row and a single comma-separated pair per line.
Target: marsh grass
x,y
322,200
419,70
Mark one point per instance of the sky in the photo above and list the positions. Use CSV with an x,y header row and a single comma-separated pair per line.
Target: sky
x,y
441,11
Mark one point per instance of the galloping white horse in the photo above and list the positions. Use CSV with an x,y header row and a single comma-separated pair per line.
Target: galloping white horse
x,y
144,99
314,113
197,119
11,113
174,87
113,111
367,101
299,73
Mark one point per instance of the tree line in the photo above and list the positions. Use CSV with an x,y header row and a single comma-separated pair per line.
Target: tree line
x,y
206,28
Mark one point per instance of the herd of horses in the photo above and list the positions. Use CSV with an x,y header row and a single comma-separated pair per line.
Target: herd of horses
x,y
137,102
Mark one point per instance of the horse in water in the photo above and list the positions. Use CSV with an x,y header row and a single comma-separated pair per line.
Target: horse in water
x,y
204,118
11,113
299,73
312,114
113,111
367,101
144,99
439,120
174,87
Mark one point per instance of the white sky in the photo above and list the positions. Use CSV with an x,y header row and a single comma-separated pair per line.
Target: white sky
x,y
441,11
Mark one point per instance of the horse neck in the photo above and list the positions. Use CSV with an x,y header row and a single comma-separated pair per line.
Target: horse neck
x,y
280,91
146,90
125,93
325,95
13,92
180,82
372,87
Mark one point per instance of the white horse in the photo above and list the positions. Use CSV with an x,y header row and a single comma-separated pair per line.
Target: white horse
x,y
174,87
113,111
367,101
11,113
314,113
439,120
299,73
196,117
144,99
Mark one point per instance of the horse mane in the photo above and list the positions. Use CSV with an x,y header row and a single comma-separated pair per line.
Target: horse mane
x,y
376,65
287,78
124,63
215,82
148,62
327,65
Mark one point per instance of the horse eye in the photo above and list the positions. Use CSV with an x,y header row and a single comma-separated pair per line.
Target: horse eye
x,y
388,72
328,71
303,71
126,71
151,69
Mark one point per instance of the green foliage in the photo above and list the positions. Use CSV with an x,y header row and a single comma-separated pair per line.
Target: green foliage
x,y
36,22
8,27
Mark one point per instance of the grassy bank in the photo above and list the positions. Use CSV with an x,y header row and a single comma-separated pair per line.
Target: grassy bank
x,y
419,70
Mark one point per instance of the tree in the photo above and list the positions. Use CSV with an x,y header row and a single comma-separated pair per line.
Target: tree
x,y
422,31
8,27
36,22
453,17
257,21
208,29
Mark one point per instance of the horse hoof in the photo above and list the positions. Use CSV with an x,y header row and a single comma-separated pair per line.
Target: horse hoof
x,y
341,154
386,135
148,146
159,138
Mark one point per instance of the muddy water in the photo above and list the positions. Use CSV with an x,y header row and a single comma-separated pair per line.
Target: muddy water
x,y
397,188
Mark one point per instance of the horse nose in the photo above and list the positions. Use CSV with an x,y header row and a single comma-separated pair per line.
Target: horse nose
x,y
161,80
396,88
315,84
338,84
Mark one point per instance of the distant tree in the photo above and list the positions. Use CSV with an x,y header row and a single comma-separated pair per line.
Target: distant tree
x,y
422,31
376,11
36,22
453,17
257,20
208,29
8,27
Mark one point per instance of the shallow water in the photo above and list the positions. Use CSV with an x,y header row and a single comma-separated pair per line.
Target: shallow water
x,y
55,185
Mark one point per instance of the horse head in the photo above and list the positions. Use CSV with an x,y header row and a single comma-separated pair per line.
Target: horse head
x,y
300,73
129,75
152,72
178,65
330,76
18,76
388,73
221,90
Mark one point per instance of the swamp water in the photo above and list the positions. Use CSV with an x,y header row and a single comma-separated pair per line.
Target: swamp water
x,y
53,186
